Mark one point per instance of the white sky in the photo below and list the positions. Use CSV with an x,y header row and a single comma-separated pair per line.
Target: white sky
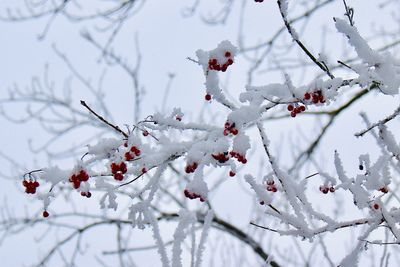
x,y
165,39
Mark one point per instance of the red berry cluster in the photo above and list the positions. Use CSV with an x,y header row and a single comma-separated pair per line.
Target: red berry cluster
x,y
118,170
130,155
325,189
230,128
221,157
191,167
30,186
213,63
271,187
384,189
241,158
315,97
86,194
77,178
192,195
295,109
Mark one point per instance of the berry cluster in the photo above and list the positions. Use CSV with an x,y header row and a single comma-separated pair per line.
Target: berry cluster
x,y
315,97
130,155
118,170
213,63
191,167
192,195
384,189
78,177
30,186
295,109
325,189
86,194
271,187
241,158
221,157
230,128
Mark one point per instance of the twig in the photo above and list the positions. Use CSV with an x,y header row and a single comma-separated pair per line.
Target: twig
x,y
387,119
300,44
83,103
349,13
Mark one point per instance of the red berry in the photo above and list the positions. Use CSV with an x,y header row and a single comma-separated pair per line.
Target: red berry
x,y
114,168
208,97
45,214
145,133
128,156
144,170
118,176
293,114
234,131
302,108
290,107
384,190
186,192
188,169
122,167
178,118
230,61
88,194
76,184
232,173
228,54
307,96
262,202
376,206
274,189
270,182
332,189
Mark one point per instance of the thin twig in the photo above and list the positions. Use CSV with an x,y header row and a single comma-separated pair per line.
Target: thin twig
x,y
385,120
83,103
